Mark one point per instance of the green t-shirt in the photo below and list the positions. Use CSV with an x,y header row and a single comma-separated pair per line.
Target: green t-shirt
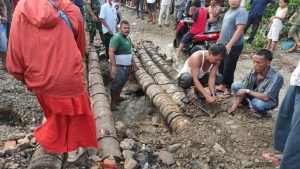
x,y
121,43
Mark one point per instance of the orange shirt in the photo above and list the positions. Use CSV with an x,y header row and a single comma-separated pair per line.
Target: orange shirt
x,y
44,52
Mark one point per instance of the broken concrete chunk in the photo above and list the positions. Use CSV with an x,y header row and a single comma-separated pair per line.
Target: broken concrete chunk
x,y
166,157
127,154
247,163
119,126
173,148
16,136
131,135
23,143
130,163
219,149
127,144
10,145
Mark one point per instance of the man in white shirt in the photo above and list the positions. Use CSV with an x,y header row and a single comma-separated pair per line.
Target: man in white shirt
x,y
287,129
164,9
108,17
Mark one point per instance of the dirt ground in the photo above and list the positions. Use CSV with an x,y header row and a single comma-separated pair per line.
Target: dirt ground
x,y
229,142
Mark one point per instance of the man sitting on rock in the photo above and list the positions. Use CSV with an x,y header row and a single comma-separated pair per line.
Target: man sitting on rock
x,y
200,70
261,86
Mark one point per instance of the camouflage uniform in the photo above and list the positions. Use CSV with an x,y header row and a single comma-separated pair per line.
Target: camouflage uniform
x,y
92,26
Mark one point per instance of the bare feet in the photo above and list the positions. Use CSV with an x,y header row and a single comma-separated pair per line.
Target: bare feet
x,y
274,158
175,57
231,110
227,94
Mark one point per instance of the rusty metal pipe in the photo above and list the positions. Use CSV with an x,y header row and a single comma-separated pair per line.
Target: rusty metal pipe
x,y
106,133
159,61
42,159
169,86
168,109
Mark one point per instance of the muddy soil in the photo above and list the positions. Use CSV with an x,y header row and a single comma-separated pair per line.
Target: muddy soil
x,y
229,142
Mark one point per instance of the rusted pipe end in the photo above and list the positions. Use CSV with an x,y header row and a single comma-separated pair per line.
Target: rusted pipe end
x,y
178,124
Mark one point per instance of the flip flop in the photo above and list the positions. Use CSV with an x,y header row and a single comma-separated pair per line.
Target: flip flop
x,y
226,96
260,116
271,158
291,50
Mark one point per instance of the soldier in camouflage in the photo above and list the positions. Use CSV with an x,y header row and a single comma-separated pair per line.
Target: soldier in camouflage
x,y
92,11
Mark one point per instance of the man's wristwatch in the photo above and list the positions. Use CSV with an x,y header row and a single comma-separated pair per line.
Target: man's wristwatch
x,y
248,91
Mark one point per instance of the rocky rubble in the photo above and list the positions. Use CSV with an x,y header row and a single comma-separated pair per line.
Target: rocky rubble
x,y
17,150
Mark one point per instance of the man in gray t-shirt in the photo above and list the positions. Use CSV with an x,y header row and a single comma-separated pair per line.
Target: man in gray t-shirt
x,y
232,36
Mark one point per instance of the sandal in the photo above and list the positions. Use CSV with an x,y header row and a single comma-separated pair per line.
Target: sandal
x,y
260,115
291,50
271,157
74,155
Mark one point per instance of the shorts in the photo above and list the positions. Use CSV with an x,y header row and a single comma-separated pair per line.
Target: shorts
x,y
294,31
185,80
151,6
121,77
274,32
187,38
3,38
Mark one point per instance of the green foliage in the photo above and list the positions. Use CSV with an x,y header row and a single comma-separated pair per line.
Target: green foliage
x,y
261,36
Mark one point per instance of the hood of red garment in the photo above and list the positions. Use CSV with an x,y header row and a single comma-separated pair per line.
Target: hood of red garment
x,y
42,13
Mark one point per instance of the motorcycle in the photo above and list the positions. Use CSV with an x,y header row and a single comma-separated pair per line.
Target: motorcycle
x,y
201,41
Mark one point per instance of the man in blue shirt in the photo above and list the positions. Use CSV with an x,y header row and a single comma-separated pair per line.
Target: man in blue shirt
x,y
261,85
257,9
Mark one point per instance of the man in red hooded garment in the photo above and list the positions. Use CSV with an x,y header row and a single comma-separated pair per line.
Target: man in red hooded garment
x,y
46,54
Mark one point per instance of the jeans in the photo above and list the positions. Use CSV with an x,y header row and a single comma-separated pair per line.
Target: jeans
x,y
255,22
8,25
139,7
228,65
164,9
121,77
258,105
202,4
212,27
287,129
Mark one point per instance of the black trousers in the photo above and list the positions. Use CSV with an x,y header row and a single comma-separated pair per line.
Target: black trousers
x,y
228,65
106,39
255,22
139,7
